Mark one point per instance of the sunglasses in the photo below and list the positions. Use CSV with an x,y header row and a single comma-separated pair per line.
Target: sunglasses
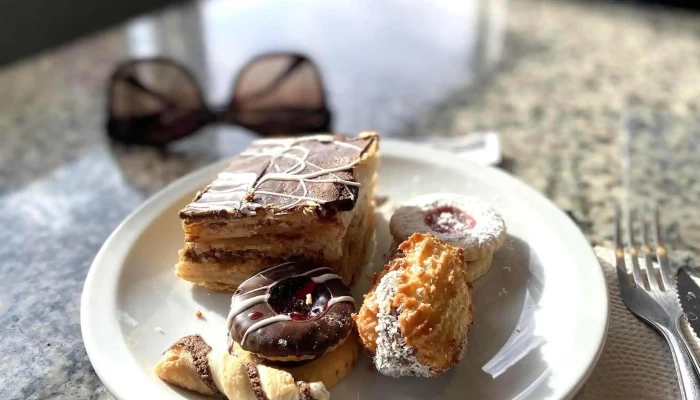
x,y
156,101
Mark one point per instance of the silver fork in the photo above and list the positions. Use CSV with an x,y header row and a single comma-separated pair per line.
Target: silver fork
x,y
658,304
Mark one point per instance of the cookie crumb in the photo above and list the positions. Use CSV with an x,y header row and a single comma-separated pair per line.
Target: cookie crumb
x,y
159,330
198,314
308,299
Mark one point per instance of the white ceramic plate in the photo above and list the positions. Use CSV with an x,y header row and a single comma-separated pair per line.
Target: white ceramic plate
x,y
541,311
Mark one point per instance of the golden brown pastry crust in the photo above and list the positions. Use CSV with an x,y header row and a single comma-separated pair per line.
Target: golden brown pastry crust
x,y
190,363
475,268
432,298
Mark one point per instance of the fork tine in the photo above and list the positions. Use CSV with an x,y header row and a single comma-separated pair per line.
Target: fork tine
x,y
651,272
622,277
636,271
661,254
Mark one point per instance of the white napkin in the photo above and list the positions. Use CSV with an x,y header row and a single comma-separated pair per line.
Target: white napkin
x,y
636,362
479,147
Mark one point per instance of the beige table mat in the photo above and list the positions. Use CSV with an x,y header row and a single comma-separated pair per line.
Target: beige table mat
x,y
635,363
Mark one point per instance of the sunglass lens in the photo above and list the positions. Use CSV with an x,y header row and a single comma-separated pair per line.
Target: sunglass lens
x,y
153,102
280,94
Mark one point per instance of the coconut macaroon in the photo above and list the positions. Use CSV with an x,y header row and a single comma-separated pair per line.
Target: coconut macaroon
x,y
415,320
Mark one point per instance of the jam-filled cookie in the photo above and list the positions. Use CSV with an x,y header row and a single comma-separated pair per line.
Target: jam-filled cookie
x,y
292,312
462,221
415,320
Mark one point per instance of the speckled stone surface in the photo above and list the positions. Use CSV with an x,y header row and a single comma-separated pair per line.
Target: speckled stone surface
x,y
569,71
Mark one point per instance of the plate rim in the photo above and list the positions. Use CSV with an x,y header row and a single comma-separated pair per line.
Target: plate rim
x,y
109,268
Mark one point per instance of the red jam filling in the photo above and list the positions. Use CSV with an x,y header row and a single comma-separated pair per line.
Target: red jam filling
x,y
254,315
448,219
291,297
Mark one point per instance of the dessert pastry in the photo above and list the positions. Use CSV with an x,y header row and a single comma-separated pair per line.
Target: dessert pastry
x,y
462,221
192,364
309,197
415,320
328,369
294,311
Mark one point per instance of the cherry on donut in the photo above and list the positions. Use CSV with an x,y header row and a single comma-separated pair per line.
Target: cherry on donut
x,y
289,297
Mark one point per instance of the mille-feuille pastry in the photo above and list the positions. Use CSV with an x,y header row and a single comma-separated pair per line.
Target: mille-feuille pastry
x,y
415,320
192,364
462,221
308,197
296,316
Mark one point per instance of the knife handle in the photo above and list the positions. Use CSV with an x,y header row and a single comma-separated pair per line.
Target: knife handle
x,y
688,382
684,340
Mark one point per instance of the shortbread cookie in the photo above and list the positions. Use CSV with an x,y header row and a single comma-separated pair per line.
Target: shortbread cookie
x,y
329,369
415,320
294,311
477,268
192,364
462,221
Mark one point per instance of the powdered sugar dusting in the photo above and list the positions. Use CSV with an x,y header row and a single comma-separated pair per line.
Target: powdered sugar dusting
x,y
393,356
486,234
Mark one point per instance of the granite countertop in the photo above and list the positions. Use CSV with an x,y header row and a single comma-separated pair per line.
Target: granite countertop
x,y
569,70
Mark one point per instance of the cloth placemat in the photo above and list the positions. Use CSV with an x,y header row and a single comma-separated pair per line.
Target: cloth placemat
x,y
636,362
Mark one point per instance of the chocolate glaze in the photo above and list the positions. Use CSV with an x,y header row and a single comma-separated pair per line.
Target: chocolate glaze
x,y
251,183
284,337
199,350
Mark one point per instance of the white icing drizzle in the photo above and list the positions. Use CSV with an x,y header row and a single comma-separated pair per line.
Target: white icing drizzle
x,y
219,193
307,273
248,303
325,277
244,305
341,299
235,311
264,322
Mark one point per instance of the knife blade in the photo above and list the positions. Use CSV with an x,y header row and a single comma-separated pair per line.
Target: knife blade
x,y
689,295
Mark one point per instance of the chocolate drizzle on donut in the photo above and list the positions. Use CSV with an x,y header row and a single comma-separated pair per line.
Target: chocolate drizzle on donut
x,y
291,310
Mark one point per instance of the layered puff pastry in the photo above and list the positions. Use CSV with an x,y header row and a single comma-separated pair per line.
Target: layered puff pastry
x,y
415,319
310,197
192,364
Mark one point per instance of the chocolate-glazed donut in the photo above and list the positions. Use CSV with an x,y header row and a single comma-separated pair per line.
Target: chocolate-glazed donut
x,y
292,311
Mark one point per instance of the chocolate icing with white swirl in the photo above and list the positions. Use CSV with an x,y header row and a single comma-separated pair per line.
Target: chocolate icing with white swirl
x,y
292,309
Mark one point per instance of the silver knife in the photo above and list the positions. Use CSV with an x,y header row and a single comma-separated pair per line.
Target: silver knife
x,y
689,295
